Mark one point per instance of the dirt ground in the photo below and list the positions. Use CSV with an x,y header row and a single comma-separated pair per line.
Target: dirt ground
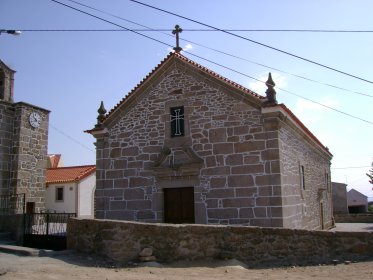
x,y
72,266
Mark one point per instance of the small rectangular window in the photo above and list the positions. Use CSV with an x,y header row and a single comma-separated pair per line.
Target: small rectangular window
x,y
59,194
177,121
302,179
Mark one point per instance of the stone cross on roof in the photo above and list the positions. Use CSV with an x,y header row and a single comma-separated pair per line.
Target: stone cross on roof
x,y
176,32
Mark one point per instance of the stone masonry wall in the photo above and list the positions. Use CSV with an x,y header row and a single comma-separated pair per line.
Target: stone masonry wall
x,y
6,138
238,181
302,207
6,83
23,150
122,242
29,156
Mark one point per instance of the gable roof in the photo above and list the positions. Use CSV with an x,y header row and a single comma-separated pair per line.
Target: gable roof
x,y
3,65
356,193
180,57
245,91
69,174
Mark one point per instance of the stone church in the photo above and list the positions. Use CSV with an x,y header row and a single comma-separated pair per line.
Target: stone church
x,y
23,150
187,145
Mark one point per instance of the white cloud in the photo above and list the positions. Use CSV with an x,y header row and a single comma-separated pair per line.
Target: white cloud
x,y
260,87
187,47
309,112
303,105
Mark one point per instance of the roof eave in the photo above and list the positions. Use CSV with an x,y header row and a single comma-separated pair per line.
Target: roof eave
x,y
297,123
90,169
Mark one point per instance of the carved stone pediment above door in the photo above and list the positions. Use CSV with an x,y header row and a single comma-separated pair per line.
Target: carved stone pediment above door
x,y
177,171
181,162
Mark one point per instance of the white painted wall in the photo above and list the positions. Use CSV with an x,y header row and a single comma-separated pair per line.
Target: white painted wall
x,y
78,198
68,203
86,196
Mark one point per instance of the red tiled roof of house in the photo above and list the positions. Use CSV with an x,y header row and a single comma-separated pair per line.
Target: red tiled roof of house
x,y
68,174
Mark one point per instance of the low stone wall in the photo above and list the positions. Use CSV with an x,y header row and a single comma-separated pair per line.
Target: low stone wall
x,y
122,241
14,225
354,218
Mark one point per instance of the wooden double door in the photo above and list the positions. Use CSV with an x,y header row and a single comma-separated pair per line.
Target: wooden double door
x,y
179,205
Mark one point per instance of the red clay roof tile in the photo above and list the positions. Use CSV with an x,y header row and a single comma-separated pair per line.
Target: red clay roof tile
x,y
68,174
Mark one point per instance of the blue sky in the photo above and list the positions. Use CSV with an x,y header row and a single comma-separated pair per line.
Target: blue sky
x,y
69,73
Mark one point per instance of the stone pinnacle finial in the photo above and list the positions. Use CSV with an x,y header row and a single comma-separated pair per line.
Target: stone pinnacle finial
x,y
101,114
270,92
176,32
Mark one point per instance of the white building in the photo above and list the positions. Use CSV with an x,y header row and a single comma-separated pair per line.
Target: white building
x,y
71,190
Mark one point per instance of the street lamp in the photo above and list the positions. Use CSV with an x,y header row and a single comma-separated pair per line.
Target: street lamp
x,y
11,32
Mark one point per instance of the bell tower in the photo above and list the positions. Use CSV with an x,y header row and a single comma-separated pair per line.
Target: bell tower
x,y
23,149
6,82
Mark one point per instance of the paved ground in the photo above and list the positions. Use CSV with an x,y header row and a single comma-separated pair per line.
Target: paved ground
x,y
355,227
74,266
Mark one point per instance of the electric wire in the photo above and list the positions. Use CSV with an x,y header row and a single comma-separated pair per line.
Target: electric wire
x,y
284,90
215,63
110,22
55,128
218,51
351,167
197,30
282,71
204,46
200,45
255,42
353,181
70,137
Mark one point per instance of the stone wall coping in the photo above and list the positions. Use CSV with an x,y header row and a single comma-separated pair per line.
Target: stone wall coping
x,y
234,229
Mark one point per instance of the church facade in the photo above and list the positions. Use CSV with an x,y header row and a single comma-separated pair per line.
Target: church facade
x,y
23,150
187,145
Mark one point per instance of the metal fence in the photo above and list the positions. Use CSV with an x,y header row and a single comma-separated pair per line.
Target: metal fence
x,y
47,223
12,204
46,230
